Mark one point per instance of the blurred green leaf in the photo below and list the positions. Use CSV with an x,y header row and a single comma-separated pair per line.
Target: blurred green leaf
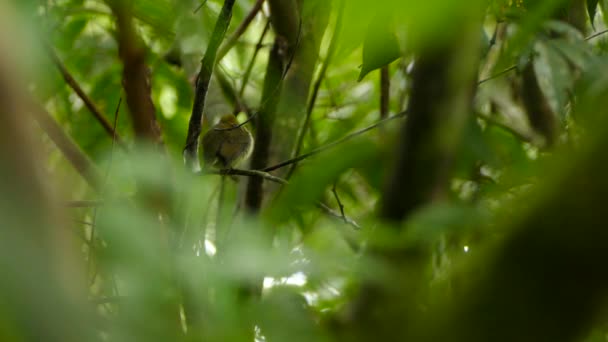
x,y
380,46
591,9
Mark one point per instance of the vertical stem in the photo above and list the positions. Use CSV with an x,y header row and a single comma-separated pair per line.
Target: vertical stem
x,y
202,84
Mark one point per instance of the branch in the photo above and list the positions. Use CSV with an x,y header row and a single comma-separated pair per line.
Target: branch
x,y
72,152
329,211
258,46
250,173
265,120
333,144
278,180
340,205
596,35
136,76
239,31
509,69
202,83
69,79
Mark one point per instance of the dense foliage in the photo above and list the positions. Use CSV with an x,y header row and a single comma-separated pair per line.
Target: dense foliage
x,y
422,171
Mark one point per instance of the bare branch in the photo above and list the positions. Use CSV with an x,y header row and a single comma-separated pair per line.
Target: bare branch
x,y
258,46
278,180
340,205
136,76
249,173
329,211
239,30
72,152
198,8
333,144
71,81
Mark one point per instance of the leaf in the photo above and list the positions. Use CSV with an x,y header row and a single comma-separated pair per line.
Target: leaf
x,y
71,32
380,46
591,9
311,180
577,53
564,30
554,76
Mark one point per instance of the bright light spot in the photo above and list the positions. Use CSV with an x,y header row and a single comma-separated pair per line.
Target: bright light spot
x,y
466,249
210,248
168,101
268,282
297,279
311,298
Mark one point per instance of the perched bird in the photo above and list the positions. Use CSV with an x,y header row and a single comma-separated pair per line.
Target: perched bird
x,y
225,145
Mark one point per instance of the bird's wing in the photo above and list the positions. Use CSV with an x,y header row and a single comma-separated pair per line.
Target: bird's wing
x,y
211,147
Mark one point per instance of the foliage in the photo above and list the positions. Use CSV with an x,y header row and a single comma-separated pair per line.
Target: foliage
x,y
162,253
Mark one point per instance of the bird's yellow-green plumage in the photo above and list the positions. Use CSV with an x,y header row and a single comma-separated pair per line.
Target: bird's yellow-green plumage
x,y
224,148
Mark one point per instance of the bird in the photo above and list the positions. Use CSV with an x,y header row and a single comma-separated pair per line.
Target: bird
x,y
226,144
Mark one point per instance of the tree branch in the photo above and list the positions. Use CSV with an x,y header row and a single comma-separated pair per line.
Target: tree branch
x,y
202,83
136,76
278,180
333,144
239,30
249,173
265,120
79,160
71,81
258,46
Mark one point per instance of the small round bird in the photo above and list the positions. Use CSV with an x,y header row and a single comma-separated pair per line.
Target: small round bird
x,y
225,145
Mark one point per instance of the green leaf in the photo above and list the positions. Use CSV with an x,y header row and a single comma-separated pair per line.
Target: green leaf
x,y
380,46
311,180
554,76
591,9
577,53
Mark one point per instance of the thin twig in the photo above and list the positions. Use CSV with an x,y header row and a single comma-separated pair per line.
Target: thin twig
x,y
239,30
267,176
317,86
275,90
101,191
507,70
250,173
333,144
329,211
202,83
340,205
258,46
198,8
71,81
597,34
